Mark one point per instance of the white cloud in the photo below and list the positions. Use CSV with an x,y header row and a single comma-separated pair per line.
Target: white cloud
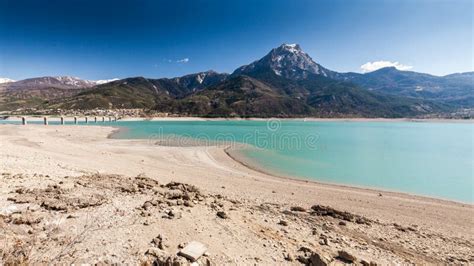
x,y
184,60
372,66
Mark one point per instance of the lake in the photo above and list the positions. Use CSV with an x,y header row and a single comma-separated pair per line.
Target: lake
x,y
424,158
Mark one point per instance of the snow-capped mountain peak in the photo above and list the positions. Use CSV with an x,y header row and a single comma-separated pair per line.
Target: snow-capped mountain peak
x,y
74,81
293,48
61,82
287,60
6,80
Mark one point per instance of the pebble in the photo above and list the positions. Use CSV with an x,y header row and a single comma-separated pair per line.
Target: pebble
x,y
147,205
222,215
289,257
298,209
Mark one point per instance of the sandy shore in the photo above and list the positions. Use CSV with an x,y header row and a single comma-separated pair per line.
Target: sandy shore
x,y
384,227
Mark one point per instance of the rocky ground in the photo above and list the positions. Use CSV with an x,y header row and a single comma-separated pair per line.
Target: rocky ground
x,y
98,218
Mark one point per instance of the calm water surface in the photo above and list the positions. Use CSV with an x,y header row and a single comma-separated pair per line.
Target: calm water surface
x,y
432,159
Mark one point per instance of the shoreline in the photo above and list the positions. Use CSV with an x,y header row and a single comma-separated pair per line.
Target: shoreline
x,y
306,119
56,118
235,156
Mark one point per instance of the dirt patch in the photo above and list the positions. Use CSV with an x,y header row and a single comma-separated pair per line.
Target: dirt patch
x,y
99,218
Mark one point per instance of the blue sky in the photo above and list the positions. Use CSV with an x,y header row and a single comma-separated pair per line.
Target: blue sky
x,y
116,39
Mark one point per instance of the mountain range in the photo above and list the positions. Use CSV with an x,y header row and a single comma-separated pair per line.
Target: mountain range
x,y
6,80
286,82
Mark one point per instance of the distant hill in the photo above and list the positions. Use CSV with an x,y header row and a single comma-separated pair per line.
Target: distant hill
x,y
140,92
136,92
286,82
199,81
242,96
456,89
37,92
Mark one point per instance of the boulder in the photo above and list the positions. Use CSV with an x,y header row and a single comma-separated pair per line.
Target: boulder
x,y
155,252
193,251
346,256
317,259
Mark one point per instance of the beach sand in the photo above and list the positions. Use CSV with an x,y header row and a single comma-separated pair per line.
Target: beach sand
x,y
71,194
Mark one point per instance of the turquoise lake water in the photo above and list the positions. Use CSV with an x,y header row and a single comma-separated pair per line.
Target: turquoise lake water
x,y
432,159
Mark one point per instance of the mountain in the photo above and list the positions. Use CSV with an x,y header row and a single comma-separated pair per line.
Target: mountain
x,y
135,92
39,92
288,61
60,82
291,62
453,89
293,73
286,82
199,81
241,96
140,92
36,92
64,82
6,80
